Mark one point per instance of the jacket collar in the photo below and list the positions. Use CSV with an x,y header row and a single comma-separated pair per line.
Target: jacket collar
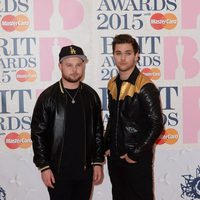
x,y
61,86
133,76
62,89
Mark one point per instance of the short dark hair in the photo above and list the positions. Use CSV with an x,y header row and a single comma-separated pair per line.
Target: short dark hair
x,y
125,38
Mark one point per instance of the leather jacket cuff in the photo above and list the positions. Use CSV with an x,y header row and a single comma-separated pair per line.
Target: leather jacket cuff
x,y
44,168
97,164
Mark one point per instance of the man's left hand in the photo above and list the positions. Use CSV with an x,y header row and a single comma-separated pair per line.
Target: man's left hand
x,y
125,156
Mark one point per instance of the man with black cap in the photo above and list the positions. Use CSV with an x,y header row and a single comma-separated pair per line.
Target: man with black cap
x,y
67,131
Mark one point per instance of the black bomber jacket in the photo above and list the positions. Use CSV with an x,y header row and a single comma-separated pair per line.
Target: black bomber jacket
x,y
140,115
48,127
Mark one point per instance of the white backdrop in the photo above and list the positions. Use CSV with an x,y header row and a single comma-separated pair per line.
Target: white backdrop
x,y
31,35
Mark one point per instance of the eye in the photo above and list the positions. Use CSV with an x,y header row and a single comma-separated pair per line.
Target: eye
x,y
68,65
79,65
128,53
118,53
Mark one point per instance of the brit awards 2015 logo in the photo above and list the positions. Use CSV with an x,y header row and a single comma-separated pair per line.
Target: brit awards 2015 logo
x,y
191,189
2,194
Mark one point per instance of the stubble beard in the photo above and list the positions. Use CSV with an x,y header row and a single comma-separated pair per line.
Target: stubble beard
x,y
72,79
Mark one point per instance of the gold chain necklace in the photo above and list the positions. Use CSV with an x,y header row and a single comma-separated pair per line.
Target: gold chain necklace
x,y
72,98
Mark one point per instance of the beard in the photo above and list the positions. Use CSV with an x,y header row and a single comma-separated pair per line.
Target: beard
x,y
72,78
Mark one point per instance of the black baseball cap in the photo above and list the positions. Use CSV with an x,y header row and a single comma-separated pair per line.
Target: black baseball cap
x,y
72,51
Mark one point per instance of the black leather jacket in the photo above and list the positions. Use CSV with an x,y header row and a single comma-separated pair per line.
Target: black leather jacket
x,y
48,127
138,110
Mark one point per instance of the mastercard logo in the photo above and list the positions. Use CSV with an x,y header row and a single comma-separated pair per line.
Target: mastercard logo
x,y
11,23
14,140
168,136
26,75
153,73
159,21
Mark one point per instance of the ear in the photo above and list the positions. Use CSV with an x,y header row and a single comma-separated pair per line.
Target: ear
x,y
137,57
59,65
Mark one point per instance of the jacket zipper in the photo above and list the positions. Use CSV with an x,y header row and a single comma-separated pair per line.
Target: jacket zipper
x,y
117,121
58,169
84,156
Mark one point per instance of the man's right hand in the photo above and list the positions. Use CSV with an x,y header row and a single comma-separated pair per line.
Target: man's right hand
x,y
48,178
107,153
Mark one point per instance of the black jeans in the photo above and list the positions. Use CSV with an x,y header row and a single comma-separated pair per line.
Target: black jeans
x,y
130,181
65,189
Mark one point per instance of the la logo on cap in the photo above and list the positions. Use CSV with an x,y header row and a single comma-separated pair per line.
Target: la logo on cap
x,y
72,50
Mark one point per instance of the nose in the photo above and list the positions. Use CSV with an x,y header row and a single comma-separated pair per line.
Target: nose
x,y
74,68
123,57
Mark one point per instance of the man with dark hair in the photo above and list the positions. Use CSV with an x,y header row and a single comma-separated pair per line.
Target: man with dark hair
x,y
67,131
134,124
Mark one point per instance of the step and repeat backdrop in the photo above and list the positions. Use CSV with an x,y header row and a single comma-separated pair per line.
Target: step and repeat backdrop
x,y
168,32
